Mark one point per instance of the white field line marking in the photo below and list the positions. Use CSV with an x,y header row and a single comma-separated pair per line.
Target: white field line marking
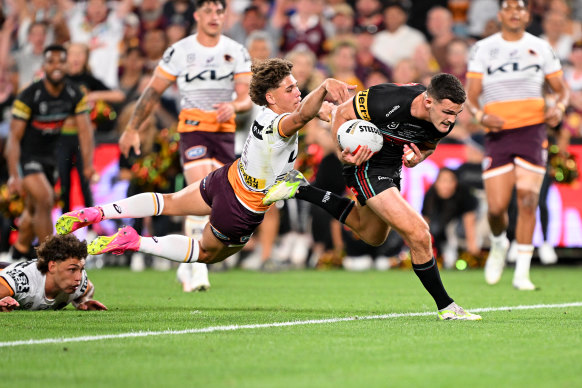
x,y
267,325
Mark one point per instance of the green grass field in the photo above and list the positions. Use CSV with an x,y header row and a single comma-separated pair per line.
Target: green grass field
x,y
538,347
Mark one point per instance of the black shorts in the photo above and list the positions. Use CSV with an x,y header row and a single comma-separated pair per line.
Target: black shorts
x,y
230,221
371,178
31,166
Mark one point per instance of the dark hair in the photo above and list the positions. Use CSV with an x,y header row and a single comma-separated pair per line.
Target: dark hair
x,y
200,3
267,75
60,248
54,47
445,86
525,2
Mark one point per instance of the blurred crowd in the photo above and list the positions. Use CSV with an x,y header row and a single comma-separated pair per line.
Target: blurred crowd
x,y
118,44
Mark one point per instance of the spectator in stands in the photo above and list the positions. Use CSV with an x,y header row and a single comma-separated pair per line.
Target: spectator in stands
x,y
131,33
342,25
94,24
366,61
252,19
481,12
398,41
405,72
342,64
304,28
154,44
56,279
445,202
554,26
439,24
150,13
179,12
456,59
29,58
424,61
304,69
369,15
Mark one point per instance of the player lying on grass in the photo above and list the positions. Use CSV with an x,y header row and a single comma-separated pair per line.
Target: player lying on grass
x,y
53,281
238,190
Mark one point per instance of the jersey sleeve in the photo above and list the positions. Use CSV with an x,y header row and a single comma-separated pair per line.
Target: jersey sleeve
x,y
370,104
22,106
243,62
17,281
475,67
170,66
274,128
552,65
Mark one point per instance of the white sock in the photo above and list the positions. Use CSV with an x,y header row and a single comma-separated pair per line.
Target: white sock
x,y
524,254
137,206
194,226
172,247
498,240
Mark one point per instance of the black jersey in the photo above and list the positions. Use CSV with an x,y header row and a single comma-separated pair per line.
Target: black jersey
x,y
388,107
44,115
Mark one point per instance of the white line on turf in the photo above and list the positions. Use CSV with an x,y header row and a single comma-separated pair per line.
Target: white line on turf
x,y
267,325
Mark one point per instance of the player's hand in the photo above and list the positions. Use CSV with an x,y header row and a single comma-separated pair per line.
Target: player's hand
x,y
553,116
224,111
361,156
8,303
91,305
89,172
129,139
412,155
338,91
493,122
15,185
327,108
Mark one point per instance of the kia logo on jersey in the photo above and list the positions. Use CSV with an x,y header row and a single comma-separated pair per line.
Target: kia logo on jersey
x,y
195,152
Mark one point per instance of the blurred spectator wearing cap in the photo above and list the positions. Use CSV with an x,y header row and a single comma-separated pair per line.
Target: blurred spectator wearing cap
x,y
304,28
366,61
252,19
397,41
101,28
439,23
342,21
369,15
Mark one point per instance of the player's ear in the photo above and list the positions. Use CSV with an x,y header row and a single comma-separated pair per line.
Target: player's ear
x,y
270,98
52,266
427,101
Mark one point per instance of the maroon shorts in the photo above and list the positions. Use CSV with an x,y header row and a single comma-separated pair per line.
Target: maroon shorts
x,y
527,143
206,145
230,221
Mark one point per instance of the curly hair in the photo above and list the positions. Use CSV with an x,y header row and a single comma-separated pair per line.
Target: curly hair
x,y
446,87
60,248
267,75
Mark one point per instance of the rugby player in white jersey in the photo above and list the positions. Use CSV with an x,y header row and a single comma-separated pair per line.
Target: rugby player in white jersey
x,y
53,281
208,68
232,195
506,74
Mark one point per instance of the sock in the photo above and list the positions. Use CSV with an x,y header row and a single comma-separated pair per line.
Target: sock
x,y
338,207
172,247
194,226
428,273
524,254
136,206
498,240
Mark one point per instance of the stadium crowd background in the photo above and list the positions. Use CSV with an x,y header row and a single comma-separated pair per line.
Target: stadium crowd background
x,y
362,42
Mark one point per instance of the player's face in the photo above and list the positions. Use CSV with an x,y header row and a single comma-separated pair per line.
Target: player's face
x,y
286,97
210,18
513,15
67,274
444,113
54,66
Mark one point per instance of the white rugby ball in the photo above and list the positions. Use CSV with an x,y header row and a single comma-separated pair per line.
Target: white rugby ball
x,y
354,134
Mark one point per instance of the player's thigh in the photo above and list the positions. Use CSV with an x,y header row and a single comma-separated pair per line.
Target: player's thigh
x,y
187,201
498,190
371,227
213,250
528,180
197,172
393,209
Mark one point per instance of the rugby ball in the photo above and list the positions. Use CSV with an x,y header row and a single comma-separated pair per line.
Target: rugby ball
x,y
354,134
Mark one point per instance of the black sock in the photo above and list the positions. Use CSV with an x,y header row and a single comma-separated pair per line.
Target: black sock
x,y
428,273
338,207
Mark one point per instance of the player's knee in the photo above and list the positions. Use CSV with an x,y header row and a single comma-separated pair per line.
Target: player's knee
x,y
419,235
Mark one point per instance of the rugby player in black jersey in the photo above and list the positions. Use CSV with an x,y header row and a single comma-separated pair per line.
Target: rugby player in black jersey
x,y
38,114
410,117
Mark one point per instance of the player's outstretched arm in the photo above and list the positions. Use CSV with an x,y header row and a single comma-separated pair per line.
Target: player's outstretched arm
x,y
144,107
86,303
8,303
337,91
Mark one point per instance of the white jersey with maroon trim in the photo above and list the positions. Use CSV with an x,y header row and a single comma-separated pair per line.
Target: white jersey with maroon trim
x,y
513,74
205,75
27,284
267,156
